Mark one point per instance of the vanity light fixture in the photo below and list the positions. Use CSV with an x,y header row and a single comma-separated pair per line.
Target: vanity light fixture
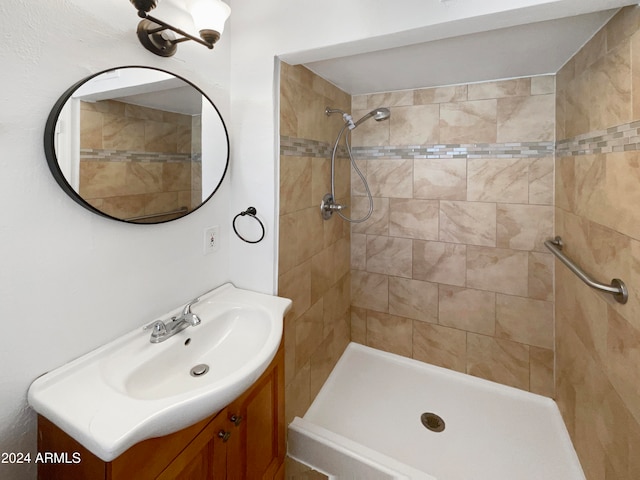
x,y
209,16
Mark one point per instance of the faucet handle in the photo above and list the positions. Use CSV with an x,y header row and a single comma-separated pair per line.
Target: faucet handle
x,y
157,325
187,307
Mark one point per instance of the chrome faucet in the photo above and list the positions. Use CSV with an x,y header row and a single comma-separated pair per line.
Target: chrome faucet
x,y
160,330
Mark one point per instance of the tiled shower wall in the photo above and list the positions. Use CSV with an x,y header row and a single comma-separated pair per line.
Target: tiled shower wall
x,y
451,268
314,254
598,216
137,160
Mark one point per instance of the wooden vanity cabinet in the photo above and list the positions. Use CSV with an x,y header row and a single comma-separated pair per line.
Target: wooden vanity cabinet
x,y
243,441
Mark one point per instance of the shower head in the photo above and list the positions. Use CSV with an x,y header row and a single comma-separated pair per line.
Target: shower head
x,y
378,115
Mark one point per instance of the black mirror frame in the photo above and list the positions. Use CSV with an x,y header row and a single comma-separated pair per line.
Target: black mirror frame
x,y
52,158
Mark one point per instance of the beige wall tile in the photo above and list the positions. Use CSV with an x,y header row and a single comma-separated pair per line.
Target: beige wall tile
x,y
370,290
297,394
526,119
498,360
497,270
541,177
415,125
414,218
90,129
467,309
471,223
337,310
441,346
309,328
565,190
103,179
541,276
503,180
322,273
160,136
314,260
541,375
594,50
390,178
296,285
635,74
455,93
369,133
439,262
389,99
623,25
543,84
389,255
390,333
358,251
524,227
468,122
610,89
413,299
623,351
359,325
525,320
378,222
504,88
609,184
440,179
120,133
320,178
577,106
295,183
175,176
310,222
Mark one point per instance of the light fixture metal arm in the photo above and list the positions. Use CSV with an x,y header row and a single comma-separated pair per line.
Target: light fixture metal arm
x,y
164,26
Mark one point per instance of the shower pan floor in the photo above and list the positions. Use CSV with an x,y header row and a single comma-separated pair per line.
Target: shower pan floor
x,y
368,422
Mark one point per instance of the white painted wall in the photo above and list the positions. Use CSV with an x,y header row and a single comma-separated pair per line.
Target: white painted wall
x,y
70,280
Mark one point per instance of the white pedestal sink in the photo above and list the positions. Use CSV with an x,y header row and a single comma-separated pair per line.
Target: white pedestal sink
x,y
131,389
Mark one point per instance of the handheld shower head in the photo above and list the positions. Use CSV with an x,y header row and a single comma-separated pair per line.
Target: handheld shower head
x,y
378,115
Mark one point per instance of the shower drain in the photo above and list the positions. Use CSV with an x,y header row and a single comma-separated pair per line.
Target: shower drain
x,y
433,422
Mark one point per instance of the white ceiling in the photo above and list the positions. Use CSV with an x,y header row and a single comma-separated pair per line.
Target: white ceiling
x,y
523,50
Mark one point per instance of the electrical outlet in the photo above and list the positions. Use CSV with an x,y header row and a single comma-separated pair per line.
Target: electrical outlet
x,y
211,239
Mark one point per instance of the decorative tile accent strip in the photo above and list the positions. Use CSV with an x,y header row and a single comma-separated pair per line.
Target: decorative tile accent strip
x,y
621,138
95,155
474,150
311,148
301,147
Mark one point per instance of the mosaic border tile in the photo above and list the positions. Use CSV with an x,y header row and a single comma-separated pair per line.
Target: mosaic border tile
x,y
105,155
300,147
621,138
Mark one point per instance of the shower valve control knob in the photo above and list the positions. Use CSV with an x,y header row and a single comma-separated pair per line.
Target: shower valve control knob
x,y
328,206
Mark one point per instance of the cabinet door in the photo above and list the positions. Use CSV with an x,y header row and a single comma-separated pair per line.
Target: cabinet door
x,y
256,448
205,458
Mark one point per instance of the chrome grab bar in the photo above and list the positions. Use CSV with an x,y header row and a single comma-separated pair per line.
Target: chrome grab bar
x,y
617,288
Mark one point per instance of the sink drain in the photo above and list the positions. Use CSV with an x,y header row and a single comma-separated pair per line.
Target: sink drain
x,y
432,422
199,370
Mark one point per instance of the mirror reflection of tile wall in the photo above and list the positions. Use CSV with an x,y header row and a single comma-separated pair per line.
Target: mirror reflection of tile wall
x,y
138,161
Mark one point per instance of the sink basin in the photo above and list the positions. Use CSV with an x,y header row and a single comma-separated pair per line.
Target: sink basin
x,y
131,389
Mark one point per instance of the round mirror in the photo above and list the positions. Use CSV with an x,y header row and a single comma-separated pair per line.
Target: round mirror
x,y
137,144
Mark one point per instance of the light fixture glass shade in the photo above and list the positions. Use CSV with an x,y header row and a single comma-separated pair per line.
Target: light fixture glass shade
x,y
209,14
